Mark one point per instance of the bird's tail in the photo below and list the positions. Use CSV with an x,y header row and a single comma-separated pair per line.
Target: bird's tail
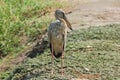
x,y
57,55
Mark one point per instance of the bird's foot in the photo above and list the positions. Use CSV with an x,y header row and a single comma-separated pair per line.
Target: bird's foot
x,y
52,71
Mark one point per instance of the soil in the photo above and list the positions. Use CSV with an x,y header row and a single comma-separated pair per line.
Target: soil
x,y
93,12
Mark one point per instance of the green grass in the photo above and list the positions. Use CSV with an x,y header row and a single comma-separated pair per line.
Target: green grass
x,y
91,53
22,21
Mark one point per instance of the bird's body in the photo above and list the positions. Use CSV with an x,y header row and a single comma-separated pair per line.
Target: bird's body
x,y
57,33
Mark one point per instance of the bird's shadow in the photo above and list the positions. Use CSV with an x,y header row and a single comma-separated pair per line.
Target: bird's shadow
x,y
38,49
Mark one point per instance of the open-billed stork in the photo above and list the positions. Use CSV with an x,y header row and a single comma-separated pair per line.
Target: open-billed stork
x,y
57,33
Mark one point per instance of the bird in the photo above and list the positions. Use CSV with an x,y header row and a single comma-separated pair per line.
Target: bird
x,y
57,34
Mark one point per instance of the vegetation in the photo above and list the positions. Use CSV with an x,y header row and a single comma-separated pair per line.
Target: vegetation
x,y
91,53
21,21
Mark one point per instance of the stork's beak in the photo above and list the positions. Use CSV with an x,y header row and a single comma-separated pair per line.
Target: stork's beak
x,y
68,23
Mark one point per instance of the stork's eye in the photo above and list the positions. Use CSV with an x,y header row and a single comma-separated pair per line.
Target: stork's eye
x,y
59,13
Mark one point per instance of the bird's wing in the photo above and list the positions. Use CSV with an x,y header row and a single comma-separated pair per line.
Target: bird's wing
x,y
49,32
50,35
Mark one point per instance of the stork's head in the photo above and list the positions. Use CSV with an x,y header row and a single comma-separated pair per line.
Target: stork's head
x,y
59,14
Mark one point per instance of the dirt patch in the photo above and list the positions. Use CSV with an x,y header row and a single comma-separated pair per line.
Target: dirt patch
x,y
88,76
94,12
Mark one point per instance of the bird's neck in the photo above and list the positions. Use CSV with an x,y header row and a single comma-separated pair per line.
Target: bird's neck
x,y
62,20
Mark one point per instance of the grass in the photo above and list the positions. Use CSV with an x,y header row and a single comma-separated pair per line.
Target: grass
x,y
22,21
91,53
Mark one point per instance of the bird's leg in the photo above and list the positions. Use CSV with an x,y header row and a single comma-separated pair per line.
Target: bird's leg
x,y
62,64
62,71
52,60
